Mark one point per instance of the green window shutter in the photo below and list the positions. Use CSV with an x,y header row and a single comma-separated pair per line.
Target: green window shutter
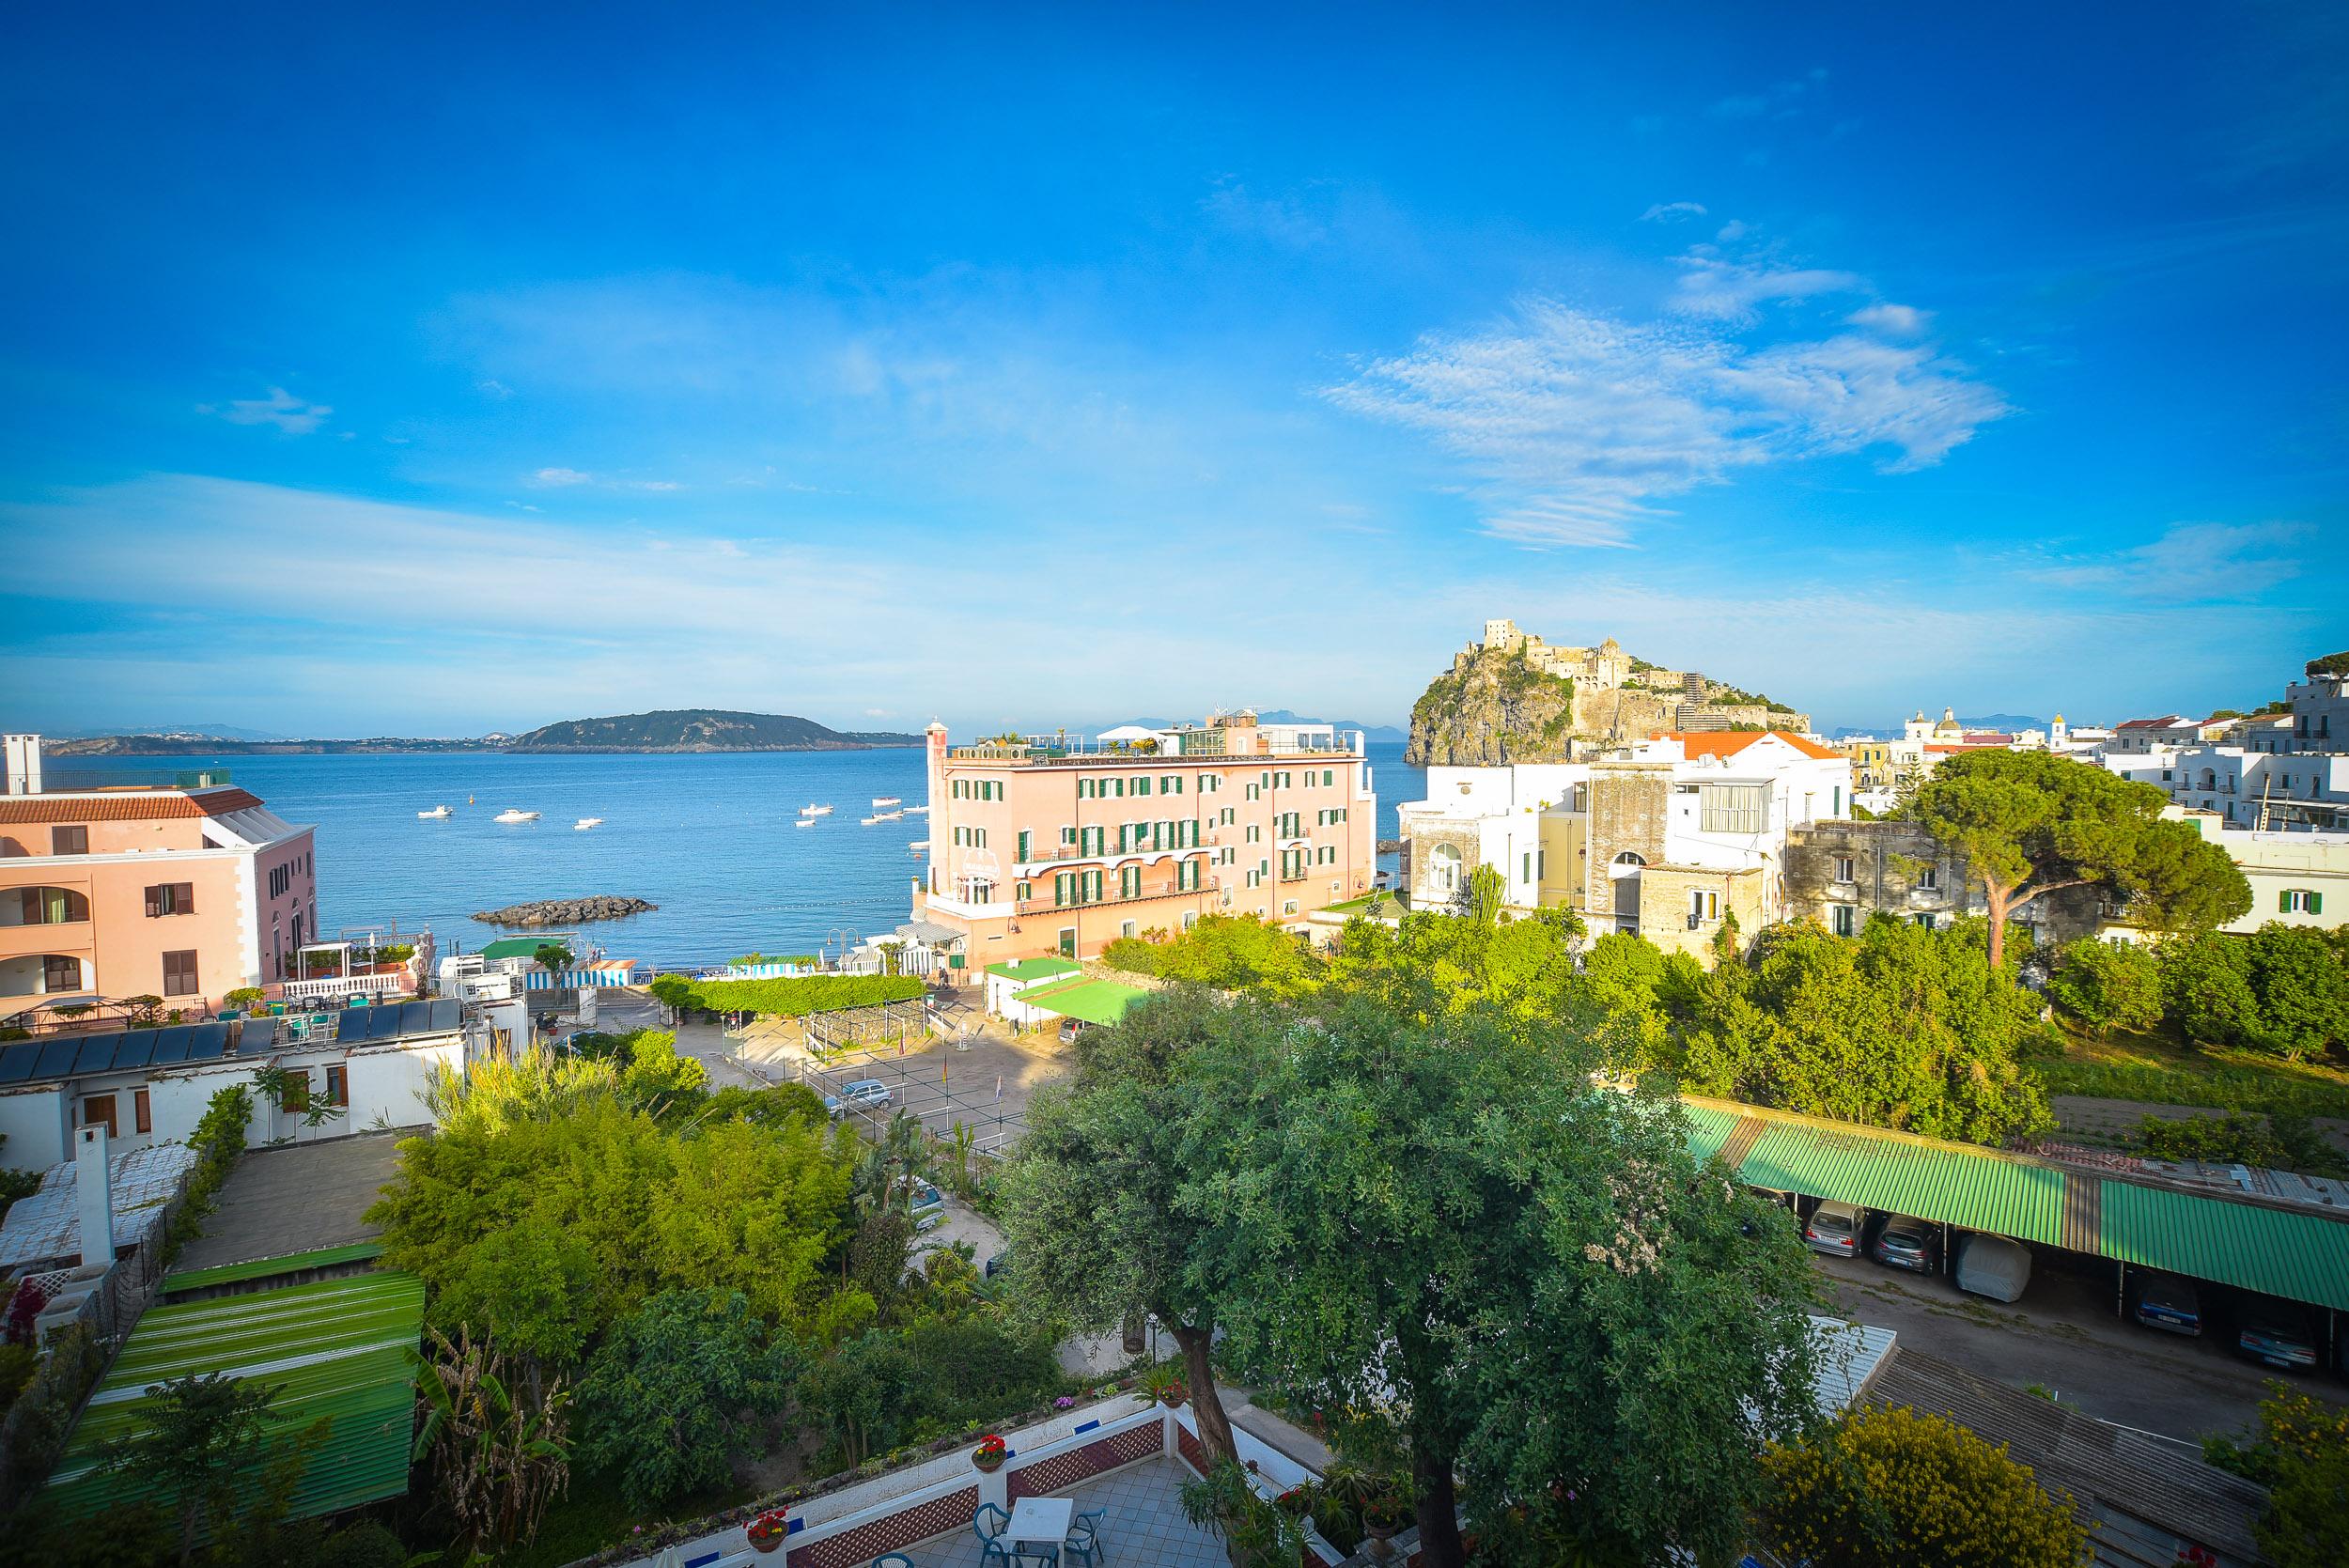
x,y
2316,903
2283,902
1023,846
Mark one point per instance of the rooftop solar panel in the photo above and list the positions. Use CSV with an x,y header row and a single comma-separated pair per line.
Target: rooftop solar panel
x,y
208,1041
447,1013
171,1046
134,1049
415,1018
97,1053
16,1062
384,1023
57,1058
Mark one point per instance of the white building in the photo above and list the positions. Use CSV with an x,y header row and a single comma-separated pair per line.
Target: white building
x,y
1666,838
2279,773
2297,878
151,1086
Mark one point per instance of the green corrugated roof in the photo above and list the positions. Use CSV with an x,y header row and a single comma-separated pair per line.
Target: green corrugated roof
x,y
1708,1129
2302,1257
263,1269
1977,1188
1086,1001
1033,968
340,1349
516,947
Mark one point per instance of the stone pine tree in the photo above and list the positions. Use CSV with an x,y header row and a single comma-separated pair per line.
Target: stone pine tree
x,y
1090,1209
2030,823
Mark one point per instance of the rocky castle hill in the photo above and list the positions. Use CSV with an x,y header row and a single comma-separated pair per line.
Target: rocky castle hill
x,y
1516,698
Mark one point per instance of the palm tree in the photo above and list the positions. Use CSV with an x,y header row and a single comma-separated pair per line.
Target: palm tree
x,y
498,1455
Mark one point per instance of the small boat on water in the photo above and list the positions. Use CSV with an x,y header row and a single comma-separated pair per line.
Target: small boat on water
x,y
435,815
917,810
880,800
804,822
870,820
815,811
586,822
517,817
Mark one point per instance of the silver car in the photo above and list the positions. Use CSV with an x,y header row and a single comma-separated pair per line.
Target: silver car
x,y
865,1094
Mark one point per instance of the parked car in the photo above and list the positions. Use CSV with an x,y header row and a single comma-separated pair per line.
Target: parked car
x,y
2277,1334
1070,1029
2168,1303
1908,1243
998,1262
865,1094
1834,1229
1992,1266
926,1206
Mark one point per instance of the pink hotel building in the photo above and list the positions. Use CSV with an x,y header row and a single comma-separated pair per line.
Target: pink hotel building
x,y
1039,847
183,889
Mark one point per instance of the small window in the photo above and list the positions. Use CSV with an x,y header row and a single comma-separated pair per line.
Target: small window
x,y
2300,901
75,841
1844,868
1845,919
99,1111
1703,905
179,974
172,898
1125,928
142,1112
1929,878
1925,920
337,1084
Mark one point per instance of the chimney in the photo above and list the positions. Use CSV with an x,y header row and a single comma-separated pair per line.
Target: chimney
x,y
24,763
96,1196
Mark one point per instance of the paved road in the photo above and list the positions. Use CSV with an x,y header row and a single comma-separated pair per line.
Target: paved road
x,y
2065,1337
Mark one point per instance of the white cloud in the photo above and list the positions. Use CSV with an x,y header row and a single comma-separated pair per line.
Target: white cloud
x,y
561,477
2189,562
1892,320
495,388
1575,425
293,416
1725,290
1285,220
1672,211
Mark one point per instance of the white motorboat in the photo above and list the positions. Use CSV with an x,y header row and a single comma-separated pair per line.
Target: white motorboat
x,y
917,810
517,817
880,800
586,822
815,811
870,820
435,815
804,822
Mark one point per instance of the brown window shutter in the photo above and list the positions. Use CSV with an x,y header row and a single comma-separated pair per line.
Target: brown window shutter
x,y
185,897
145,1120
154,900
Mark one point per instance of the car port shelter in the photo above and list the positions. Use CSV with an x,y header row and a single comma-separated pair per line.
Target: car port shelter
x,y
2295,1251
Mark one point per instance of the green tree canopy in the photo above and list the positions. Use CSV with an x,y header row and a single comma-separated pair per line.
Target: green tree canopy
x,y
2030,823
683,1384
2108,985
1450,1223
1230,953
1090,1198
1904,1028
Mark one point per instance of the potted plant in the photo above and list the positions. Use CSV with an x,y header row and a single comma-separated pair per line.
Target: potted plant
x,y
1163,1383
769,1530
1383,1514
991,1453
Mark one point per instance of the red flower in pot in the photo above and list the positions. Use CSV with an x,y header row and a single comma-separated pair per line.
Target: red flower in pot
x,y
769,1530
991,1453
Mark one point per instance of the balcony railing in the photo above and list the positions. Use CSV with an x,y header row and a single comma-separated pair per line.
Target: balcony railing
x,y
1108,848
1074,756
1047,907
65,780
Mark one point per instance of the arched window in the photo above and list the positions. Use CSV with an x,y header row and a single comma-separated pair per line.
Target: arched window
x,y
1629,857
42,906
1444,868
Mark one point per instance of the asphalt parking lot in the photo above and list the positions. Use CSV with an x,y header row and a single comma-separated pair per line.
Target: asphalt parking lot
x,y
2065,1336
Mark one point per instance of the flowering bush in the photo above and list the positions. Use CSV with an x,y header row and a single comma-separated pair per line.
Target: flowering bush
x,y
1064,1402
1888,1486
771,1526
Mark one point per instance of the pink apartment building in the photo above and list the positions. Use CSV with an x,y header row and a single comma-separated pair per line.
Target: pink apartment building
x,y
1046,847
185,888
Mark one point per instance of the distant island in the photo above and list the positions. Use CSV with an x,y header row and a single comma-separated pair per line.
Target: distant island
x,y
690,729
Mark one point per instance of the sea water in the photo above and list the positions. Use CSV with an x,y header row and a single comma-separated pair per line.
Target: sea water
x,y
710,837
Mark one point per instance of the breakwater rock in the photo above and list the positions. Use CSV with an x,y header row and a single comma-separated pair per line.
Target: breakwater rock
x,y
563,911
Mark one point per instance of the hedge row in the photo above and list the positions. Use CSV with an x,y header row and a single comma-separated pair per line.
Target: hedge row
x,y
789,998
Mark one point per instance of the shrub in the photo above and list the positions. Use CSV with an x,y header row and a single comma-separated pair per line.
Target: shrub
x,y
2283,1143
2108,985
2301,1455
787,998
1889,1489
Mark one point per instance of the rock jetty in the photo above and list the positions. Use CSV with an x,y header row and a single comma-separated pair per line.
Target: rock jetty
x,y
563,911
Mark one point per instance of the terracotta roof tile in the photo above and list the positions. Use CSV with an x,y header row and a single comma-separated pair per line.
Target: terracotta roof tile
x,y
1728,743
127,806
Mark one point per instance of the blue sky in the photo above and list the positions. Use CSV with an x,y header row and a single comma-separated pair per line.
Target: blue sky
x,y
430,373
